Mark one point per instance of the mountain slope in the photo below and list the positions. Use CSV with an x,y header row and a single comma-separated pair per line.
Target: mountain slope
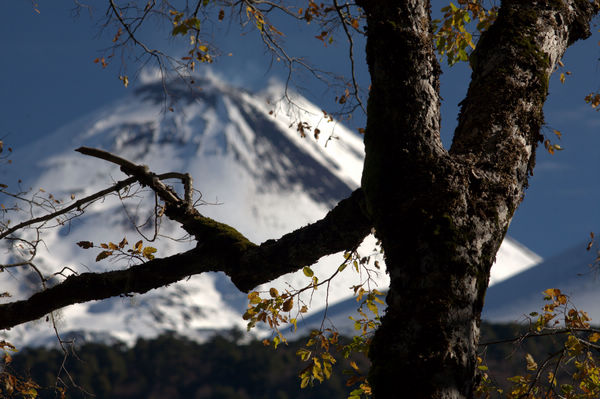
x,y
570,271
255,172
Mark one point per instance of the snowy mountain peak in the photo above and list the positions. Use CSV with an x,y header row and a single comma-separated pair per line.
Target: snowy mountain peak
x,y
248,157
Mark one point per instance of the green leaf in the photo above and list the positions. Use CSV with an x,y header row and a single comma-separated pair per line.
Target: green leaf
x,y
308,271
148,253
180,30
254,297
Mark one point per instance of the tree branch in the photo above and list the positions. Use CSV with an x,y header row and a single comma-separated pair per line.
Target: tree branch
x,y
220,248
343,228
500,119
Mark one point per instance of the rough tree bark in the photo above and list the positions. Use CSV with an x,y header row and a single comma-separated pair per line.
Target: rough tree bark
x,y
441,215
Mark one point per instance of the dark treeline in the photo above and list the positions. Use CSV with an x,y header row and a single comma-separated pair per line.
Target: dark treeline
x,y
174,367
223,368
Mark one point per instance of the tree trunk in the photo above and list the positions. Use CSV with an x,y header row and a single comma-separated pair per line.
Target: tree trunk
x,y
441,215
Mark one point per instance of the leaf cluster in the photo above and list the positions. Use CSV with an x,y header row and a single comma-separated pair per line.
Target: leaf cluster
x,y
571,372
452,35
11,385
118,251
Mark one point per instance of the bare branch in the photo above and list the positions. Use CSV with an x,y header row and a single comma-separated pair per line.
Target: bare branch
x,y
76,205
351,55
140,172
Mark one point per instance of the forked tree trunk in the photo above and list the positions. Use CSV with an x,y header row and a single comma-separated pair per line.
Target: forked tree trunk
x,y
441,215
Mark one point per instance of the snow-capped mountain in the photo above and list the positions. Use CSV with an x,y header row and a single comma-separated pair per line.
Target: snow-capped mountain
x,y
574,272
255,171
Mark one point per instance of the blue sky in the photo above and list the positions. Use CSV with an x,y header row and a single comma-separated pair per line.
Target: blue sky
x,y
48,78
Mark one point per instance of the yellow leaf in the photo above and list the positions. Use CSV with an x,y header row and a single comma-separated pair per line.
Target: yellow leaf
x,y
304,382
327,370
562,78
372,307
594,337
125,80
531,364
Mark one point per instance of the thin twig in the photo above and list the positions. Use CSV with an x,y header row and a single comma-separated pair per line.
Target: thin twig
x,y
351,55
76,205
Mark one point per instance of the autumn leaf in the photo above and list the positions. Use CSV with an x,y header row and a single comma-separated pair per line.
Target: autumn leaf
x,y
287,305
594,337
531,364
103,255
